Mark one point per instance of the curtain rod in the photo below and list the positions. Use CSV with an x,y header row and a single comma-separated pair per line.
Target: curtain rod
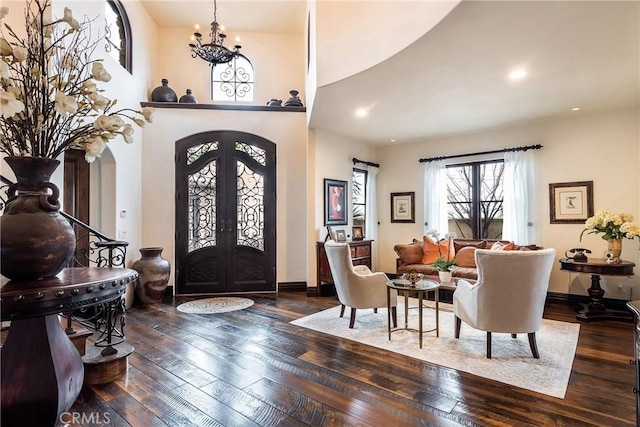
x,y
376,165
504,150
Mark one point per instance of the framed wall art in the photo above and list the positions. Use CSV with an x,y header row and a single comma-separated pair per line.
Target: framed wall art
x,y
357,233
403,207
341,236
335,202
570,202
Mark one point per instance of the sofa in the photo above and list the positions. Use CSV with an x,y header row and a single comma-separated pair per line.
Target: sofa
x,y
411,256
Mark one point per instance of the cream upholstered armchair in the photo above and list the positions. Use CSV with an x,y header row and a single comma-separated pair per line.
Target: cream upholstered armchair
x,y
356,286
509,295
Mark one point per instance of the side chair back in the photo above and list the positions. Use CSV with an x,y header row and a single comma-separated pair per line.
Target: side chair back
x,y
509,295
356,286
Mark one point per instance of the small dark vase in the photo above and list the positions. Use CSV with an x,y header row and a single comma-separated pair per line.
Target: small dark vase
x,y
164,93
36,240
153,276
294,101
188,98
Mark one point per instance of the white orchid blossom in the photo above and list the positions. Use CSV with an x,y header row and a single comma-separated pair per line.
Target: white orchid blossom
x,y
9,105
94,148
5,47
98,102
54,63
99,72
68,18
147,113
127,133
19,53
65,104
5,71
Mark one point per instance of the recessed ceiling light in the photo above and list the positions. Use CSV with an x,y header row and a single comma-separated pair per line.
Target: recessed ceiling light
x,y
575,109
518,74
392,140
361,112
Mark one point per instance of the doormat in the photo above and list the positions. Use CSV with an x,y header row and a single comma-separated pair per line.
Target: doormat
x,y
215,305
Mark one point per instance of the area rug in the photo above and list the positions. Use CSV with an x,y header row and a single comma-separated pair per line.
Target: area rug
x,y
511,362
215,305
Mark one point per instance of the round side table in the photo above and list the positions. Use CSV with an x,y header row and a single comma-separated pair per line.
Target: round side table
x,y
41,370
405,288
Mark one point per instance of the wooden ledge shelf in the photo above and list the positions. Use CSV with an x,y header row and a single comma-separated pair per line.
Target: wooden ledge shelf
x,y
228,107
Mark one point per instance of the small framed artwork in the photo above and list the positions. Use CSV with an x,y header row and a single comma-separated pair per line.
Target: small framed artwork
x,y
571,202
358,233
335,202
329,235
403,207
341,236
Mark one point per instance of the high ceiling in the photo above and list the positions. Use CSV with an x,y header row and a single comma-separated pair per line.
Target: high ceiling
x,y
455,78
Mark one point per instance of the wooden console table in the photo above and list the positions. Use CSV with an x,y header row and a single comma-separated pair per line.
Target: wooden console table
x,y
360,255
597,267
41,370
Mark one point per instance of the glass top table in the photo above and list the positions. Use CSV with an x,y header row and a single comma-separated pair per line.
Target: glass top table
x,y
420,288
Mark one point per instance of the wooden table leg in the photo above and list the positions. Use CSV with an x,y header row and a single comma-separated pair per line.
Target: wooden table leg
x,y
41,372
389,311
420,293
596,310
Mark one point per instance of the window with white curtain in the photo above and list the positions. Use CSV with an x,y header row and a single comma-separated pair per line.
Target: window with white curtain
x,y
475,199
359,197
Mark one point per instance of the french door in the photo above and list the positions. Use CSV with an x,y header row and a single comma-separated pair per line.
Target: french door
x,y
225,213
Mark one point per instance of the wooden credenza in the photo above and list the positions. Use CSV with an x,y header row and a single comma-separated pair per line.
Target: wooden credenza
x,y
360,255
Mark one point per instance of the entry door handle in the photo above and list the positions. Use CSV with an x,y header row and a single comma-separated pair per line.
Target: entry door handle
x,y
230,225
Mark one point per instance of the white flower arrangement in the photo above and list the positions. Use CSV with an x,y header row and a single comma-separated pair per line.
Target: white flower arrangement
x,y
611,225
49,98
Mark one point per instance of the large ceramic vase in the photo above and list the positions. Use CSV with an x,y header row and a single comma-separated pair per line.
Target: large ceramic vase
x,y
36,241
153,275
614,250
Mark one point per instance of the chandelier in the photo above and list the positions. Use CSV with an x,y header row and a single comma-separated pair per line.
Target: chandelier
x,y
213,52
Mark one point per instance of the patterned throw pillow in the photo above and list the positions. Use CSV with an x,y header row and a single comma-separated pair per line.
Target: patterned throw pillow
x,y
502,246
462,244
432,250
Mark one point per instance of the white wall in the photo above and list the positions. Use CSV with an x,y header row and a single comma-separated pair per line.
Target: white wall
x,y
278,61
603,148
332,157
352,38
286,130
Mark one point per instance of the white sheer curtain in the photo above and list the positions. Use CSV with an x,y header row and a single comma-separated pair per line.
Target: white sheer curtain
x,y
435,197
519,197
371,214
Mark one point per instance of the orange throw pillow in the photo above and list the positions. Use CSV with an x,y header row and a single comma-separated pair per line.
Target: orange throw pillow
x,y
501,246
432,250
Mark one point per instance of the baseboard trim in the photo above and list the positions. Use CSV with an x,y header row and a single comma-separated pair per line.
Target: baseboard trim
x,y
578,300
292,286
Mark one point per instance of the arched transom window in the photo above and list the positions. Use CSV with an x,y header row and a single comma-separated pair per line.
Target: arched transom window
x,y
233,81
117,33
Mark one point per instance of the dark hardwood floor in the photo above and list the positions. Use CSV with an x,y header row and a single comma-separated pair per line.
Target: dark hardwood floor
x,y
252,368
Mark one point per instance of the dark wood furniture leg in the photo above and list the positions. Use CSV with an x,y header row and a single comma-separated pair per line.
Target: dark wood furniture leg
x,y
457,326
352,319
342,310
533,345
394,316
596,310
488,345
41,371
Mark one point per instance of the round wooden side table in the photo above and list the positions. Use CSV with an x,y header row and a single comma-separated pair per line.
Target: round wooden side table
x,y
41,370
